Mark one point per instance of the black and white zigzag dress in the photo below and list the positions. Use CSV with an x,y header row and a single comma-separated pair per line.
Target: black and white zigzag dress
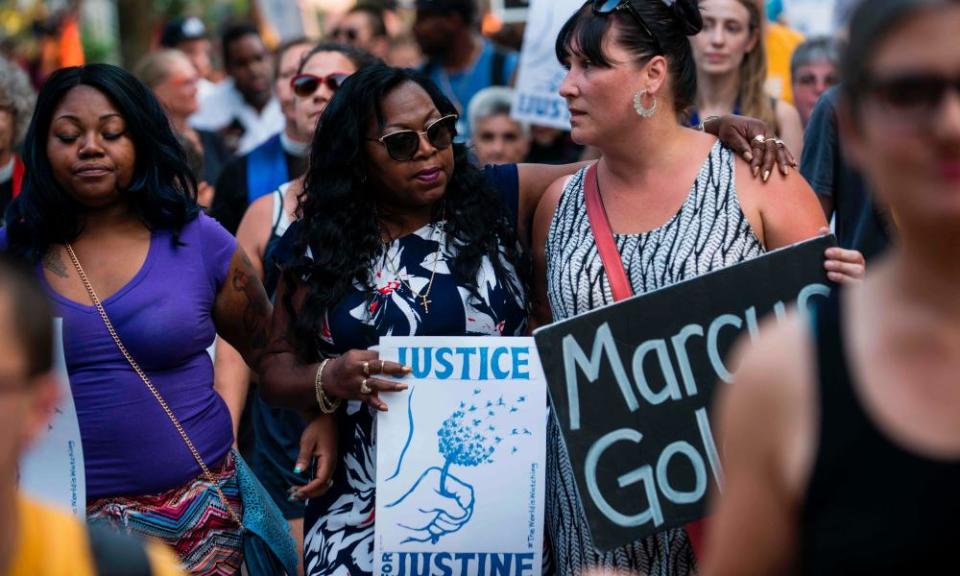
x,y
709,232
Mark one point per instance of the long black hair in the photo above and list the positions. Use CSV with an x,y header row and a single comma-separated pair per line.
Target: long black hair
x,y
670,24
338,215
163,189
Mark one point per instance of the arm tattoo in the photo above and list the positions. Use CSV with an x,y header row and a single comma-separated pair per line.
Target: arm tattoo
x,y
255,311
53,261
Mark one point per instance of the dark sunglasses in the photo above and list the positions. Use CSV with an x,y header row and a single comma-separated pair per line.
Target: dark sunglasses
x,y
604,7
402,145
912,92
304,85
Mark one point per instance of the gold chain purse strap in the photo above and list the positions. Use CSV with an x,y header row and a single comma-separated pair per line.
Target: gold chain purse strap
x,y
153,389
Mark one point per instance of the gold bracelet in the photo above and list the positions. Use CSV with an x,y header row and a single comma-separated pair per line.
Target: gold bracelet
x,y
327,405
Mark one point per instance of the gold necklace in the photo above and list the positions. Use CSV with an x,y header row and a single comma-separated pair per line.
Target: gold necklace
x,y
424,297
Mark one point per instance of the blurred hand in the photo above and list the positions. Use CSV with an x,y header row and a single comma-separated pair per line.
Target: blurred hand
x,y
844,266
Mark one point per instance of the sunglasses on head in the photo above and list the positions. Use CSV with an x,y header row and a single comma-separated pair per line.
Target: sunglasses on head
x,y
304,85
402,145
604,7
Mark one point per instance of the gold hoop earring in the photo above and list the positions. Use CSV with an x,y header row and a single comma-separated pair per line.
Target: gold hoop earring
x,y
644,111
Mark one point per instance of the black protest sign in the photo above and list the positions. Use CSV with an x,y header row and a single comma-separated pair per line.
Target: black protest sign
x,y
631,385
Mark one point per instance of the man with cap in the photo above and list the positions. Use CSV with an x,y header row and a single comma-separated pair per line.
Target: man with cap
x,y
459,60
189,35
243,107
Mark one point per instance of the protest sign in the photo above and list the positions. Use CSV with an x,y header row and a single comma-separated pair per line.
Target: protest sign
x,y
510,11
537,99
52,470
460,459
631,386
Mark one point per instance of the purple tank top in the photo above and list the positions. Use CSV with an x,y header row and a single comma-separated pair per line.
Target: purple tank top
x,y
164,317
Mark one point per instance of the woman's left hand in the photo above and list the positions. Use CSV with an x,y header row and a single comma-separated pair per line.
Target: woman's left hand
x,y
317,443
844,266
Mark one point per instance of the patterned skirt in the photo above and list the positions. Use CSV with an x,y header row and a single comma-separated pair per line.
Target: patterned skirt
x,y
189,519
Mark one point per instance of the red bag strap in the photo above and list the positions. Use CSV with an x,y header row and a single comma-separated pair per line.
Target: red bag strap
x,y
603,236
18,171
621,288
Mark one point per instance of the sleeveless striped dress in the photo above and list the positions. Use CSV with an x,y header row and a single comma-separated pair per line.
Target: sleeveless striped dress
x,y
709,232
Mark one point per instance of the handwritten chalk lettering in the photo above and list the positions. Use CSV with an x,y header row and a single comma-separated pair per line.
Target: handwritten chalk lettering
x,y
632,383
576,362
467,363
655,479
448,564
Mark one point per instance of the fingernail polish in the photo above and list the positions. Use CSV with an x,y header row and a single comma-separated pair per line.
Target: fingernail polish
x,y
766,175
755,170
298,469
401,386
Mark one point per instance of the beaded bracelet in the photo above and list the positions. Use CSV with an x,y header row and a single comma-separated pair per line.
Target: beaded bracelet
x,y
327,405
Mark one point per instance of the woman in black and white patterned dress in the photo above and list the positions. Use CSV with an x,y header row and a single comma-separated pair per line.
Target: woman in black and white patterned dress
x,y
679,206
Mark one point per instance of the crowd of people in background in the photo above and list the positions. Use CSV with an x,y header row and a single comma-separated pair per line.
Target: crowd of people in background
x,y
246,225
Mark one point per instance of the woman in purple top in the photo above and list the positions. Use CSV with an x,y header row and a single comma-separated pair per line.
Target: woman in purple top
x,y
107,179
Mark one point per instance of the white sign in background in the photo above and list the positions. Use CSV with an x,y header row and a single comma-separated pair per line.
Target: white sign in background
x,y
460,459
811,17
537,99
52,470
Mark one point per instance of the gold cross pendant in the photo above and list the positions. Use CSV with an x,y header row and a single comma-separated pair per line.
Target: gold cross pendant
x,y
426,304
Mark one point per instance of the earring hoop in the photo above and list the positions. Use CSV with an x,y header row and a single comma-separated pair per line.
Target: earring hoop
x,y
644,111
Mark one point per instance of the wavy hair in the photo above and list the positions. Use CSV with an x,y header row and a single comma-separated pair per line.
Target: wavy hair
x,y
338,211
754,100
162,192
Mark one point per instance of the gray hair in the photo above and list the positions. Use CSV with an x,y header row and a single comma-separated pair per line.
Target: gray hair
x,y
154,68
489,102
17,96
815,50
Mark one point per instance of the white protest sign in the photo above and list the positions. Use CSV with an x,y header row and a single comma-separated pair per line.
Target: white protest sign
x,y
53,470
510,11
537,99
810,17
460,459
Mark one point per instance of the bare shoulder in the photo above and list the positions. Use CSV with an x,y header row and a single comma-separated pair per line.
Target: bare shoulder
x,y
783,210
547,208
787,112
254,229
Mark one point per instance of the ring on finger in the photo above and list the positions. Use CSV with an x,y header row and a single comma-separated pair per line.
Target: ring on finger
x,y
759,139
381,366
366,368
365,387
779,143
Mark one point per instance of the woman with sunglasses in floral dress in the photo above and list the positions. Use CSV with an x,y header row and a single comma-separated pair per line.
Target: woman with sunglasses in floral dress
x,y
399,235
